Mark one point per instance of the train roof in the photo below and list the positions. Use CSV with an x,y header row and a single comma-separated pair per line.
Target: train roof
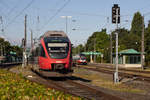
x,y
54,34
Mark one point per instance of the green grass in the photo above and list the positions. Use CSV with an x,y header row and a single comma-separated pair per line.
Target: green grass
x,y
16,87
118,87
101,81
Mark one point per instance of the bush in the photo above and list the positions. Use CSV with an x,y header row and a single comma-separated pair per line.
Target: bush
x,y
16,87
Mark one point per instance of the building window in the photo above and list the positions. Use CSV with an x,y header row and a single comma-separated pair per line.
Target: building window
x,y
133,59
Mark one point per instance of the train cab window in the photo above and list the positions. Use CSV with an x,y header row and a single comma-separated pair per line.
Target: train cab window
x,y
57,48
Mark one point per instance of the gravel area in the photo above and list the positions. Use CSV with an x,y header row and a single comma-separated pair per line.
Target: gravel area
x,y
143,87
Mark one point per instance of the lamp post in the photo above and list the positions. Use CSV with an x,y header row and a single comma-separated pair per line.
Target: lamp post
x,y
66,17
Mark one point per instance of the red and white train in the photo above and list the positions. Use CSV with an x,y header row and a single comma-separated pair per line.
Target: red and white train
x,y
79,59
52,55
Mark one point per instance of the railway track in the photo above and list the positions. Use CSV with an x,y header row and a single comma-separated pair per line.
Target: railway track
x,y
109,66
76,88
85,91
9,65
123,73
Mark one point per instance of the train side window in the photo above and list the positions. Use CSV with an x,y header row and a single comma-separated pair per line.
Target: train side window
x,y
42,51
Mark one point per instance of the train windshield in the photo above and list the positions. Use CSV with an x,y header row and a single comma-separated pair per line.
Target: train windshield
x,y
57,47
83,58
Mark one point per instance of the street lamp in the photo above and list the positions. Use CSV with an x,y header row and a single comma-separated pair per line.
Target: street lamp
x,y
66,17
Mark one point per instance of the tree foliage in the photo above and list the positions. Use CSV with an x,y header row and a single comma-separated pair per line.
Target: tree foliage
x,y
136,30
136,26
128,39
147,43
6,47
98,40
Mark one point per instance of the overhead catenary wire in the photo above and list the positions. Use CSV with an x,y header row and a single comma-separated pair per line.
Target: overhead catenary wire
x,y
12,9
4,4
2,11
58,11
81,13
144,14
38,17
27,6
130,21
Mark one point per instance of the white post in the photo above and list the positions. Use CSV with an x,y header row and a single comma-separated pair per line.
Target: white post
x,y
91,58
116,78
142,45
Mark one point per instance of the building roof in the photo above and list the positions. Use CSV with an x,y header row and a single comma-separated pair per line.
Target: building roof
x,y
54,34
92,53
129,51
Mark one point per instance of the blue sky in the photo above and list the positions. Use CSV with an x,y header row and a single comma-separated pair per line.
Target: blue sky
x,y
89,16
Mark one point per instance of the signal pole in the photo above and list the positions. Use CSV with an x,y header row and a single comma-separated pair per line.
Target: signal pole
x,y
116,20
116,73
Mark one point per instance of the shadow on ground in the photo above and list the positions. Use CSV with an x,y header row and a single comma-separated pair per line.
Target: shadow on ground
x,y
74,78
64,78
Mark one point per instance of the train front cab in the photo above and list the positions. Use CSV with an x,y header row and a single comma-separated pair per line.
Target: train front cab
x,y
53,66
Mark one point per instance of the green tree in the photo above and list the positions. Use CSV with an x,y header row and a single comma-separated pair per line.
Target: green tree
x,y
6,47
78,49
135,32
136,26
17,49
99,41
147,44
123,35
